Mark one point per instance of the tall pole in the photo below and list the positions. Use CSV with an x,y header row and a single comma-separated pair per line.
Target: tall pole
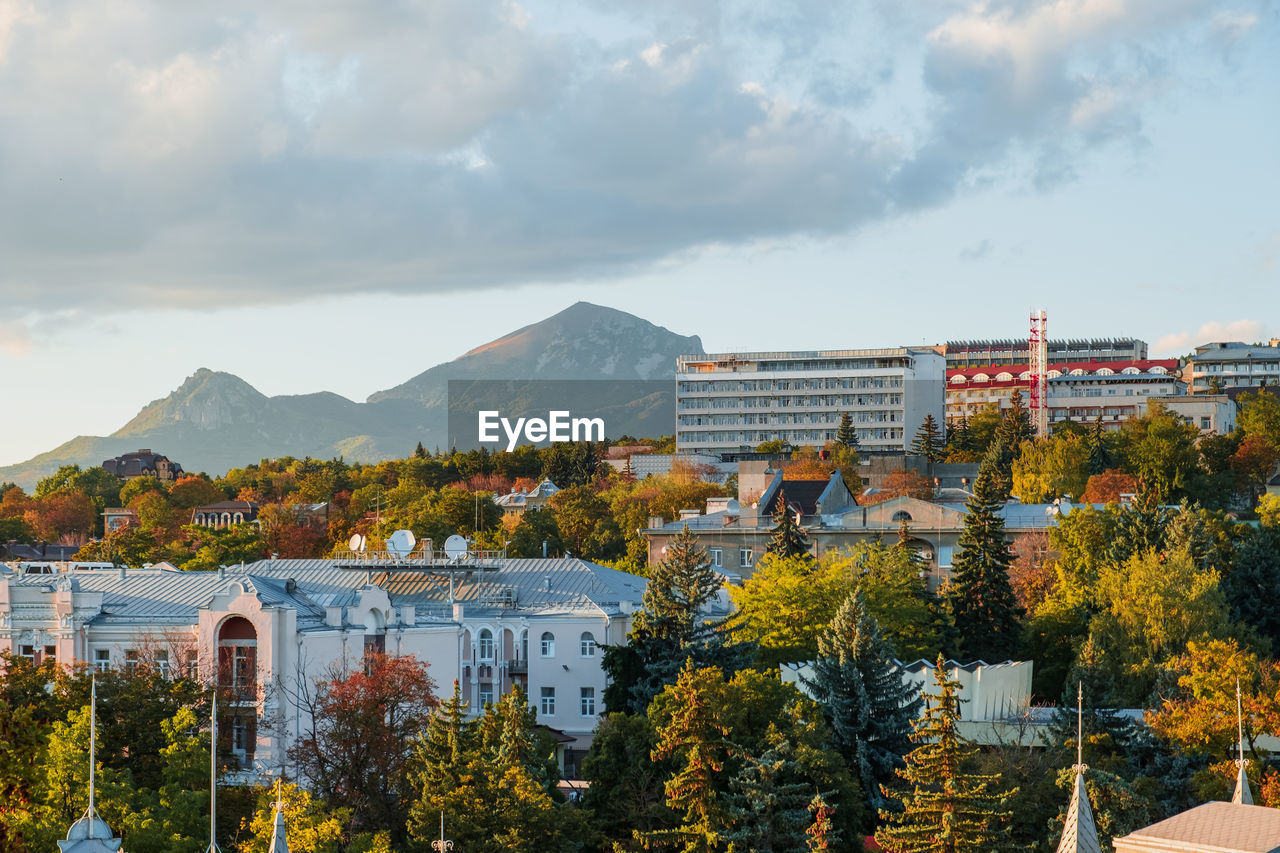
x,y
1239,725
1079,723
93,744
213,772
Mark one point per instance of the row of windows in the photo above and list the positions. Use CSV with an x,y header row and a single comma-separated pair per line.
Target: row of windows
x,y
586,701
1025,376
487,649
790,401
717,557
749,438
847,383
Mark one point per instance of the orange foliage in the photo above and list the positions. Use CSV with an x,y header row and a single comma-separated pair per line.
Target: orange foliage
x,y
1032,576
910,483
1108,486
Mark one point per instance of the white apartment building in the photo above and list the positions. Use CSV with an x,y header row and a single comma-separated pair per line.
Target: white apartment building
x,y
731,402
1218,366
267,630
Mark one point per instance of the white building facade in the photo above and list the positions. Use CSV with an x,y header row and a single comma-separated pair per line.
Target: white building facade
x,y
269,630
1221,365
731,402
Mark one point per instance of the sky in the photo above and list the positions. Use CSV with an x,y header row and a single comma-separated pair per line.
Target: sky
x,y
330,195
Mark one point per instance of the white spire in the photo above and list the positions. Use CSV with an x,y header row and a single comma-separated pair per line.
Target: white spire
x,y
213,773
1242,793
279,832
1079,833
90,834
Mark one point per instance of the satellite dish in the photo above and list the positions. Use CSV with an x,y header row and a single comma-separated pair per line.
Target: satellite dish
x,y
400,544
455,546
356,543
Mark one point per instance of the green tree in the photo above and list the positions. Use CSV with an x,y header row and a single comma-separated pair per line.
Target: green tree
x,y
1260,416
585,522
986,611
1050,468
864,700
1161,451
929,441
626,795
310,828
1015,427
846,435
768,802
946,809
536,527
1101,457
788,538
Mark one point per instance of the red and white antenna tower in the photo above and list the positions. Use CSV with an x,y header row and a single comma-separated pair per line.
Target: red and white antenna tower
x,y
1038,344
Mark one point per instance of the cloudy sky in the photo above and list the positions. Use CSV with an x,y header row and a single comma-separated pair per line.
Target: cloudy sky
x,y
337,195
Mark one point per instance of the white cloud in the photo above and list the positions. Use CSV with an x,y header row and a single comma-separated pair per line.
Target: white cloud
x,y
1181,343
15,338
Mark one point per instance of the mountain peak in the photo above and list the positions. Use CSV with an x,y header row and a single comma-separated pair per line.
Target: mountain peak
x,y
207,400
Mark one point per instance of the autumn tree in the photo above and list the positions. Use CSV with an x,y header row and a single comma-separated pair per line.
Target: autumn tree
x,y
585,523
945,808
1051,468
1161,451
902,483
1109,486
355,750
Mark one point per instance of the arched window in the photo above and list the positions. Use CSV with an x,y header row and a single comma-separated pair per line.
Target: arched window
x,y
981,377
237,654
1025,376
1053,374
1079,371
901,515
958,379
1158,370
548,644
1133,371
1105,371
1004,377
587,644
486,645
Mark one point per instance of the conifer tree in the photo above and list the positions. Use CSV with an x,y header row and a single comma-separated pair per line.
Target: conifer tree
x,y
959,438
1000,461
867,705
984,606
822,834
788,539
946,809
768,803
1015,427
679,587
929,442
419,452
1100,456
845,433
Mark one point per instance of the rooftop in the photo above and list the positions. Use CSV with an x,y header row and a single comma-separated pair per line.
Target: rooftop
x,y
1210,828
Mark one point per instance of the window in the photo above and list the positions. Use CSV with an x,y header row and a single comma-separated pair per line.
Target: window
x,y
717,558
548,701
130,661
102,659
486,645
1204,422
162,662
192,658
588,701
524,644
241,674
239,734
587,644
548,644
486,695
28,652
744,558
50,653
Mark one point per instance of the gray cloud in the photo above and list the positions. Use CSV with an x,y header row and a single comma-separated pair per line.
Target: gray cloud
x,y
153,153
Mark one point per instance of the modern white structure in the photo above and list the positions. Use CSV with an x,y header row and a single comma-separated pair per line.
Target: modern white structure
x,y
268,630
731,402
1209,413
1221,365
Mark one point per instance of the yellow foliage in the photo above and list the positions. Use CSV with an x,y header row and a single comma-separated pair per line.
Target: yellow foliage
x,y
310,828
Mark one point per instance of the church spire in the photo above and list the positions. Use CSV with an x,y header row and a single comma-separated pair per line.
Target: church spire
x,y
1079,834
1242,793
90,834
279,832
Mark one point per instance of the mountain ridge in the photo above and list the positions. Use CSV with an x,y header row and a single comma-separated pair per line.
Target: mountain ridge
x,y
215,420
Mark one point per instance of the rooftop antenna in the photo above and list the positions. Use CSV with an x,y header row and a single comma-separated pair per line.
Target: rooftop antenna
x,y
1079,832
1242,793
213,775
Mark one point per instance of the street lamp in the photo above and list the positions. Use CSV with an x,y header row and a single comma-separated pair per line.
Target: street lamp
x,y
443,845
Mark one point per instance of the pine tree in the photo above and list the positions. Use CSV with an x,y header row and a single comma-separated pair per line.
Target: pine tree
x,y
1100,456
768,803
679,587
845,434
1015,427
929,441
946,809
822,832
419,452
1000,462
959,438
788,539
986,611
864,699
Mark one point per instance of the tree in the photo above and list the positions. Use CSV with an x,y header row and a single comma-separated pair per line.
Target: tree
x,y
1051,468
356,752
929,441
788,538
769,798
537,526
1252,464
1015,427
679,588
1032,574
846,435
310,827
1109,486
1101,458
1252,581
986,611
902,483
1269,511
626,795
692,734
864,699
945,808
1260,416
585,522
1161,450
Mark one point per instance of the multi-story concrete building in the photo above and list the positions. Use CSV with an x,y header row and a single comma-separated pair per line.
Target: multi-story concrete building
x,y
1077,391
1209,413
961,354
267,630
1218,366
730,402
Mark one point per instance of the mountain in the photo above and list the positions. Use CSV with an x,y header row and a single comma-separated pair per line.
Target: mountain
x,y
215,421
